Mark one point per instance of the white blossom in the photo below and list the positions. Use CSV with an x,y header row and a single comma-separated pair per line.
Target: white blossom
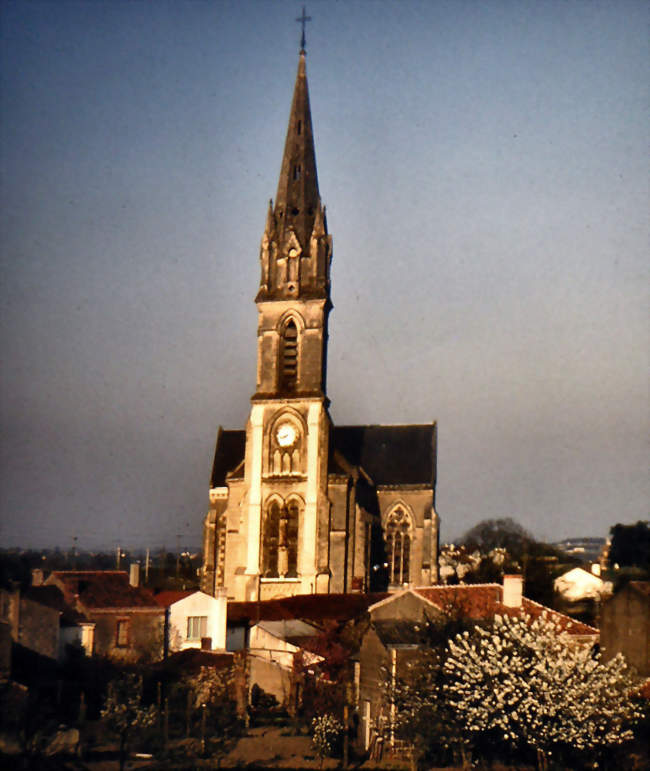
x,y
532,684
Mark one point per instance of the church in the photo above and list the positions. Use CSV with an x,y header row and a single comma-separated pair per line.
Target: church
x,y
297,504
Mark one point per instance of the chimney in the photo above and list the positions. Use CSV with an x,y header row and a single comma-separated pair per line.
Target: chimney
x,y
513,590
134,574
37,577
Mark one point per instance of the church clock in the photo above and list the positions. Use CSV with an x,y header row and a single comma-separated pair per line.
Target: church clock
x,y
285,435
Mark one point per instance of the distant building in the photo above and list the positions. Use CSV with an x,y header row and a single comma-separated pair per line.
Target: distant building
x,y
298,505
587,549
625,626
578,585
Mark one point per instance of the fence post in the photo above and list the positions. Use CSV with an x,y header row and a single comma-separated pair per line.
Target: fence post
x,y
202,729
346,738
166,723
159,705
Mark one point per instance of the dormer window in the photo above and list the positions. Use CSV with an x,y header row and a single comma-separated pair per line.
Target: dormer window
x,y
299,128
297,171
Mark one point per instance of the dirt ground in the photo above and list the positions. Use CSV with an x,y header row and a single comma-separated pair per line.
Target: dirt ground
x,y
261,748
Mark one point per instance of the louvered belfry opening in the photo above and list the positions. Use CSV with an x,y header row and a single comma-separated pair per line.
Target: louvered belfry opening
x,y
289,361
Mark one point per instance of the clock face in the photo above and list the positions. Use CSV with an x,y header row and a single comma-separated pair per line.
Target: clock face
x,y
285,434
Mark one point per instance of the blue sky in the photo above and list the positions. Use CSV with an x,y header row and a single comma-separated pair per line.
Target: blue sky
x,y
485,169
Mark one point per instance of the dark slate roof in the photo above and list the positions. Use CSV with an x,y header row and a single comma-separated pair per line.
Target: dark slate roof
x,y
228,454
391,455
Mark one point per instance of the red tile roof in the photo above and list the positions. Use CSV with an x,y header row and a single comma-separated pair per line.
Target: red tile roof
x,y
169,596
310,607
102,589
481,602
643,587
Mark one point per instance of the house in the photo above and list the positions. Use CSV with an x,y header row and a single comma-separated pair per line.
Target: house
x,y
129,623
625,626
193,619
41,622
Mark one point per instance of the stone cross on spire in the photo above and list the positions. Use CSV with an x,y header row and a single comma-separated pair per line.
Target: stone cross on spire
x,y
303,20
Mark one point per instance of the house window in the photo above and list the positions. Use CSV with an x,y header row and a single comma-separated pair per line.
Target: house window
x,y
398,545
289,356
122,633
197,627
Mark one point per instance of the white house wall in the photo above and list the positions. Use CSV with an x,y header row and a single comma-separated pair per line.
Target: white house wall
x,y
197,604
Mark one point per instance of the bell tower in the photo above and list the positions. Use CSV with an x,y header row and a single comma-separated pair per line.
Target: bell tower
x,y
293,299
287,435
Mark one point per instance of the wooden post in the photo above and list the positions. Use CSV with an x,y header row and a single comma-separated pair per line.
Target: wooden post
x,y
346,738
166,724
203,729
82,707
159,705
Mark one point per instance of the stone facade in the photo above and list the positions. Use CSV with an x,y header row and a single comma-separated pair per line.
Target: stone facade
x,y
297,505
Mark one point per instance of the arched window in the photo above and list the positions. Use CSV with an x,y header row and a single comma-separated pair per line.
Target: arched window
x,y
293,515
280,540
398,546
289,356
270,540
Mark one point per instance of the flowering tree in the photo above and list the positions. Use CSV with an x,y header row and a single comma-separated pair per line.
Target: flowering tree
x,y
327,735
123,712
529,684
210,686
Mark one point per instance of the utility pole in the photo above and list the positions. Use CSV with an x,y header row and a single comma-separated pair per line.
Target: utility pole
x,y
146,567
118,554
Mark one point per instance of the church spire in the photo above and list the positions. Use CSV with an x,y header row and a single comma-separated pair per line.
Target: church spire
x,y
296,249
297,198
